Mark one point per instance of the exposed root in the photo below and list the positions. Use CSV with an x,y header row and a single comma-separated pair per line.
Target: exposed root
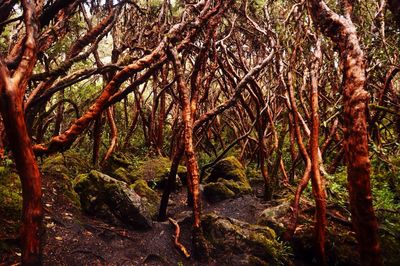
x,y
178,245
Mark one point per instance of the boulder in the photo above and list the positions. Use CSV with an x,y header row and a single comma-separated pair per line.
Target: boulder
x,y
124,175
227,179
144,191
274,217
242,243
111,199
69,164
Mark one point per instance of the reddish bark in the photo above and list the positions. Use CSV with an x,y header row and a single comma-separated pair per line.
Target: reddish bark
x,y
12,89
318,184
65,140
114,134
303,151
97,132
178,153
343,32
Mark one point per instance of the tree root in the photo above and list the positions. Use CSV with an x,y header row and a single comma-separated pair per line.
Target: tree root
x,y
178,245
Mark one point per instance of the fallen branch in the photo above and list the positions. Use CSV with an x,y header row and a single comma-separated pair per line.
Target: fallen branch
x,y
181,248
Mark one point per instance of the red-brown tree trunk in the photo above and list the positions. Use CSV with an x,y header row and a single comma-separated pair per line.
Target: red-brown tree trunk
x,y
21,147
191,161
318,185
355,100
12,90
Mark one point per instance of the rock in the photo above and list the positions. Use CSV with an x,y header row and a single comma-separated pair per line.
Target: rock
x,y
226,180
111,199
274,217
144,191
217,191
124,175
118,160
69,163
249,244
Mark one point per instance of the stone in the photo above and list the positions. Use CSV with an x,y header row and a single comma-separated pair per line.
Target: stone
x,y
227,179
144,191
111,199
274,217
248,242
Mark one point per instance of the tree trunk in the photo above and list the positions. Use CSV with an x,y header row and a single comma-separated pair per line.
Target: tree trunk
x,y
199,241
343,32
21,147
318,185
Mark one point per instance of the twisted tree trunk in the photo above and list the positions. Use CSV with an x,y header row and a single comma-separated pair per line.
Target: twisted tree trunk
x,y
343,32
12,90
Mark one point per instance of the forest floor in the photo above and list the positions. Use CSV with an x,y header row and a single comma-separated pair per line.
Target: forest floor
x,y
72,238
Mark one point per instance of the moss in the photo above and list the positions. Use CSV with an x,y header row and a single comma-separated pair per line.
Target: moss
x,y
228,168
112,200
123,175
236,187
182,173
226,180
155,171
118,160
231,235
68,190
10,200
69,163
143,190
217,191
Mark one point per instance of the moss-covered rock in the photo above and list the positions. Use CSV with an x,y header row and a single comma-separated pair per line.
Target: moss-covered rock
x,y
10,201
111,199
69,163
274,217
65,166
226,180
144,191
119,160
124,175
217,191
251,243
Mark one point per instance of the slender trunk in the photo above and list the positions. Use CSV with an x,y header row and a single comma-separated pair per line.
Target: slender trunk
x,y
59,116
162,214
303,151
132,127
97,132
199,242
114,134
318,185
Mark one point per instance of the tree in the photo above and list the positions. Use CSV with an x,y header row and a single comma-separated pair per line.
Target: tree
x,y
342,31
